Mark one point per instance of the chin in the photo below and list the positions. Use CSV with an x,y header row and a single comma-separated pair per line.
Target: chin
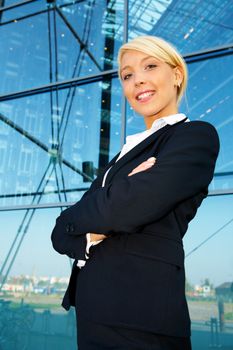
x,y
147,113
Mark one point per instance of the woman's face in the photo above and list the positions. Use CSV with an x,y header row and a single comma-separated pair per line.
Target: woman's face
x,y
149,85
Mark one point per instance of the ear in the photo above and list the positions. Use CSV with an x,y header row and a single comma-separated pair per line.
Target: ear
x,y
179,76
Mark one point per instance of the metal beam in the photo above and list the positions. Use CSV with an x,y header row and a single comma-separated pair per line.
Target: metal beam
x,y
223,173
68,204
209,53
42,146
17,4
37,206
18,19
75,34
29,194
123,99
79,81
220,192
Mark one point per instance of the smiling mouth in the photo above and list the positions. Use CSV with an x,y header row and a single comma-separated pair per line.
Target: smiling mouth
x,y
145,96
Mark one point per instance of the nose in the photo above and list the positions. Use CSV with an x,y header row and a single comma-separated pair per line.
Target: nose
x,y
139,82
139,79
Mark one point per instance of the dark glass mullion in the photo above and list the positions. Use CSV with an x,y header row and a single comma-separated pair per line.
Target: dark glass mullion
x,y
105,122
77,70
2,2
123,99
50,76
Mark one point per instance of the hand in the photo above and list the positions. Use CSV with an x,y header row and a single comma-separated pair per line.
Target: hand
x,y
143,166
96,237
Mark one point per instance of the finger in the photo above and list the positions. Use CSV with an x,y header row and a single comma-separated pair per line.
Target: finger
x,y
140,168
143,166
151,160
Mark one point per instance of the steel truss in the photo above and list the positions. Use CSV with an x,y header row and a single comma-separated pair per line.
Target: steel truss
x,y
58,126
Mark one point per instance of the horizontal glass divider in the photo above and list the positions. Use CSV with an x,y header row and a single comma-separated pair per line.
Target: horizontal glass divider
x,y
71,3
17,4
209,55
59,85
220,192
29,194
36,206
68,204
25,2
211,50
223,173
30,15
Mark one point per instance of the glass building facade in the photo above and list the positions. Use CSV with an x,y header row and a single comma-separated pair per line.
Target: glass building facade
x,y
63,117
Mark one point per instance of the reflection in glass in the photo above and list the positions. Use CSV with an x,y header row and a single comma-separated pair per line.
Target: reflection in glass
x,y
62,47
35,278
49,138
190,26
209,279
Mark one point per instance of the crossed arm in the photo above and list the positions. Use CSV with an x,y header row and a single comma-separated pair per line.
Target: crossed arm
x,y
141,167
184,167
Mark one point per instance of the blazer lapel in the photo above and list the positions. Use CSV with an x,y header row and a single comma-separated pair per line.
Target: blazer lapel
x,y
134,151
112,161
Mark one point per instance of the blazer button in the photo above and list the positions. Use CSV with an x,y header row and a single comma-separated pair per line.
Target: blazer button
x,y
68,228
72,228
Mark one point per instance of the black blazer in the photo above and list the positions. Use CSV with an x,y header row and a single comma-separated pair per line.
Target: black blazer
x,y
135,277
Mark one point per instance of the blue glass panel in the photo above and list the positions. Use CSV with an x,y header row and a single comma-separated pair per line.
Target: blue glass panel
x,y
209,98
51,145
208,246
190,26
31,316
15,13
106,21
62,47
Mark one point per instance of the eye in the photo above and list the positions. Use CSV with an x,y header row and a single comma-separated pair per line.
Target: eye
x,y
127,76
151,66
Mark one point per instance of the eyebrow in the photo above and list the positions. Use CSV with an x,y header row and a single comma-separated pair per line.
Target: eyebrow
x,y
144,59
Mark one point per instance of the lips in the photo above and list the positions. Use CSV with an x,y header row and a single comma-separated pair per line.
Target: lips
x,y
144,96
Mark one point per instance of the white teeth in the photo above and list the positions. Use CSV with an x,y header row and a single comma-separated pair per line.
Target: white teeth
x,y
144,95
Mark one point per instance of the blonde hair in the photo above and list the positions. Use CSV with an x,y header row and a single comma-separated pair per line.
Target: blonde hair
x,y
160,49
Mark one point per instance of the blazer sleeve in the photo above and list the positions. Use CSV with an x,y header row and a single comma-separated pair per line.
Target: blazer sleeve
x,y
73,246
184,167
70,245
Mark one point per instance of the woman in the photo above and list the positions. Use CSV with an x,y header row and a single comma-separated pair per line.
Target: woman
x,y
128,279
